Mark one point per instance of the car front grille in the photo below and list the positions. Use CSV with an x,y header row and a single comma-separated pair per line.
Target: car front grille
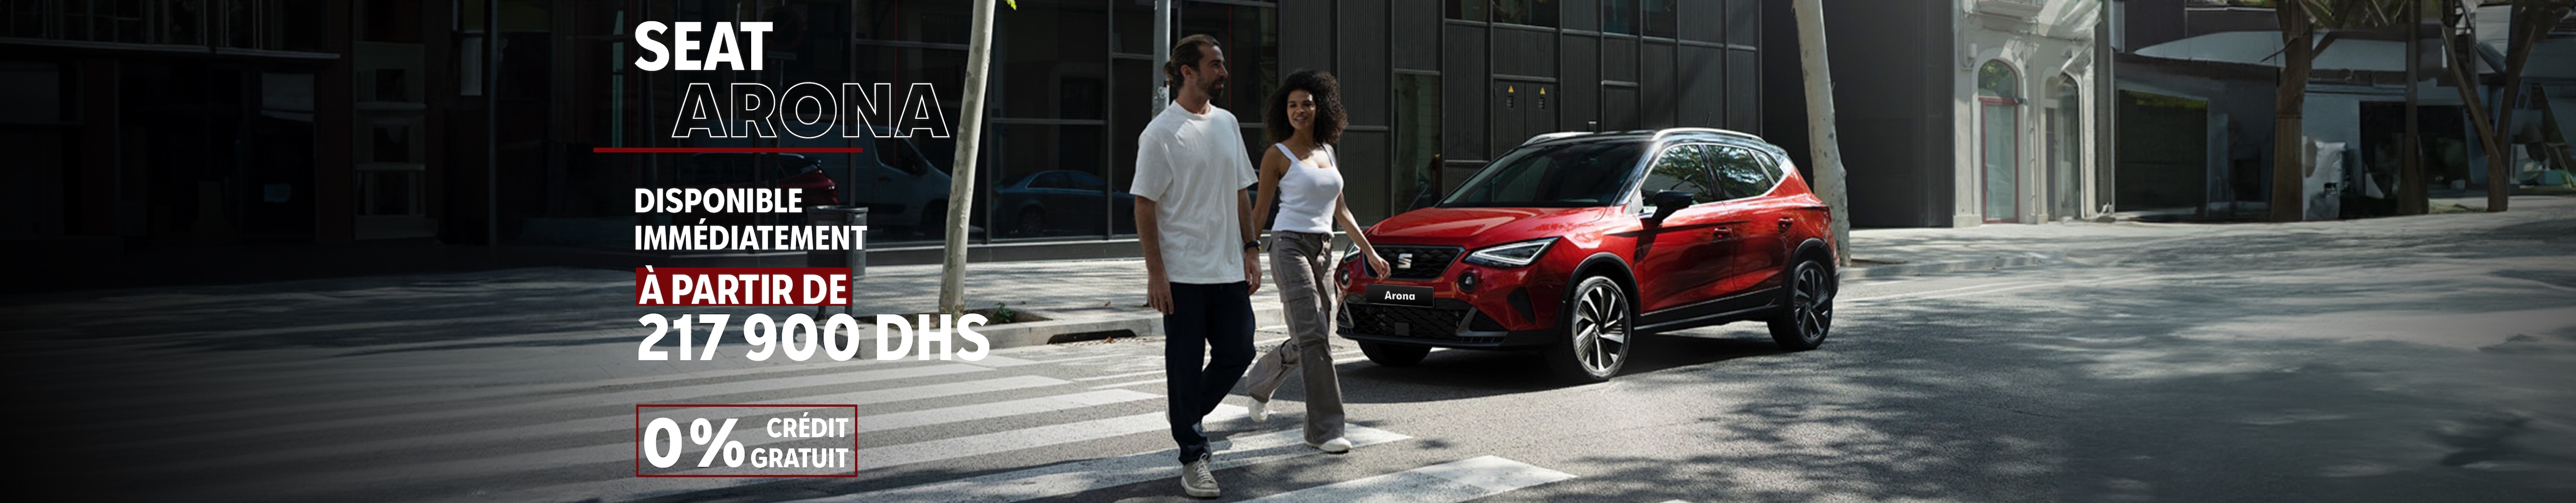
x,y
1427,261
1428,323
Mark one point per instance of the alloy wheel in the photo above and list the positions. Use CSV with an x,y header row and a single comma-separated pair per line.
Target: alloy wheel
x,y
1600,334
1812,302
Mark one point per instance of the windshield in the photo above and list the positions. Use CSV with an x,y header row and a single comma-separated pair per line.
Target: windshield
x,y
1561,174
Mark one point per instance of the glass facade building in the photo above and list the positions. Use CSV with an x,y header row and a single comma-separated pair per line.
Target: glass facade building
x,y
393,105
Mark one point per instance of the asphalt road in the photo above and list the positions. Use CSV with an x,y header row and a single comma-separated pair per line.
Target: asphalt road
x,y
2415,359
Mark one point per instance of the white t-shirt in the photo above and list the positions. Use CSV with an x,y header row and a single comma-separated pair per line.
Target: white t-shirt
x,y
1193,167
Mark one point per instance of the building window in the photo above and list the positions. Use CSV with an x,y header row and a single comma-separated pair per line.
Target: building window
x,y
247,24
1250,38
1661,18
1619,16
2065,147
1046,181
1996,79
931,22
1999,141
1417,142
1526,12
1467,10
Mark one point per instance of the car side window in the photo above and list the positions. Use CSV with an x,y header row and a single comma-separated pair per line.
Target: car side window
x,y
1048,180
886,153
920,163
1084,181
1741,172
1682,168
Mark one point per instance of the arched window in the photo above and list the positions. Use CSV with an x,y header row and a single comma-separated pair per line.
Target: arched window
x,y
1996,79
1999,141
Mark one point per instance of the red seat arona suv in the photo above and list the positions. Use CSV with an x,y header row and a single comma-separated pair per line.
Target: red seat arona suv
x,y
1575,243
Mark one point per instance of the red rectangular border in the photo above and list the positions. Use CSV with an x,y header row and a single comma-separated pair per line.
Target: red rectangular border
x,y
830,276
742,150
639,442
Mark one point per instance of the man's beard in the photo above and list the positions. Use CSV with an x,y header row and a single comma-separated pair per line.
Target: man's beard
x,y
1214,89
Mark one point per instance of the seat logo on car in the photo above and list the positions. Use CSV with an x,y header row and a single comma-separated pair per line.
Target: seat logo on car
x,y
1404,261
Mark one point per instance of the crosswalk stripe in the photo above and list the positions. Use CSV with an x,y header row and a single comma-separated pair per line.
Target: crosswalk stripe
x,y
1130,383
619,398
619,422
484,393
886,456
1080,358
625,451
999,361
900,420
1087,475
1004,441
1449,482
1115,376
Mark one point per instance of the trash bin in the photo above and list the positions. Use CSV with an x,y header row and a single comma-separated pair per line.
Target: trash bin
x,y
855,259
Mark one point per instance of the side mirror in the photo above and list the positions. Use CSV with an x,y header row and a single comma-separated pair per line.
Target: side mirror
x,y
1668,201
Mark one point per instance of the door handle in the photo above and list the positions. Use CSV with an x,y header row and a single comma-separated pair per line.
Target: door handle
x,y
1717,233
1785,223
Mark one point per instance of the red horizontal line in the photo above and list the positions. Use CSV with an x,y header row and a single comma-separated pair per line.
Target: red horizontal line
x,y
850,476
735,150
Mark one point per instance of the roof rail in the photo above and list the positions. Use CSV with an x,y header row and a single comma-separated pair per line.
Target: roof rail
x,y
1552,136
1660,134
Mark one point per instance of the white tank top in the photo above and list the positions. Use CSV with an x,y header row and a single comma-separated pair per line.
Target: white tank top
x,y
1306,194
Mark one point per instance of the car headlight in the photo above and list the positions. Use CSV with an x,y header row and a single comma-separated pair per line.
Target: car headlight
x,y
1511,255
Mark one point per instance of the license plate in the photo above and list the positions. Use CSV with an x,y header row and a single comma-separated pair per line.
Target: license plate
x,y
1400,295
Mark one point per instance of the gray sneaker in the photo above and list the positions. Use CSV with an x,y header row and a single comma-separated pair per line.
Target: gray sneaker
x,y
1197,479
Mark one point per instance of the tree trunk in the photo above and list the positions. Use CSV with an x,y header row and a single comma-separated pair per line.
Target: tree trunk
x,y
2500,166
1823,147
2456,38
961,179
2289,175
2519,40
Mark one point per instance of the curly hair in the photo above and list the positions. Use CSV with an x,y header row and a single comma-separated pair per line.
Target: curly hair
x,y
1329,118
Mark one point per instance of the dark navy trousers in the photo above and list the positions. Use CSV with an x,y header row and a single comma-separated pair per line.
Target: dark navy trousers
x,y
1216,318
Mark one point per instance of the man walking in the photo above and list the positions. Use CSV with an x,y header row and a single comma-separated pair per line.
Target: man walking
x,y
1197,230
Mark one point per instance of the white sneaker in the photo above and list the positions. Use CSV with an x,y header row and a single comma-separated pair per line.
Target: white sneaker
x,y
1197,480
1260,411
1337,445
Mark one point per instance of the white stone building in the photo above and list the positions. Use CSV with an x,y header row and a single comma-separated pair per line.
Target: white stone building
x,y
1957,113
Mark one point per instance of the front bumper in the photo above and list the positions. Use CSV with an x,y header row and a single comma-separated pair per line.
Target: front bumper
x,y
1449,323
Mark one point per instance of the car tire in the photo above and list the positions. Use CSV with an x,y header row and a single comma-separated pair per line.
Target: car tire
x,y
1599,326
1394,355
1806,313
934,219
1031,223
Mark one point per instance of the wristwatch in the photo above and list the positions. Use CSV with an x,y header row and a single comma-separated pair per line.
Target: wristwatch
x,y
1253,245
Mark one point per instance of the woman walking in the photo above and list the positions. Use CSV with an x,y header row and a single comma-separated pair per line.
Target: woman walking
x,y
1300,174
